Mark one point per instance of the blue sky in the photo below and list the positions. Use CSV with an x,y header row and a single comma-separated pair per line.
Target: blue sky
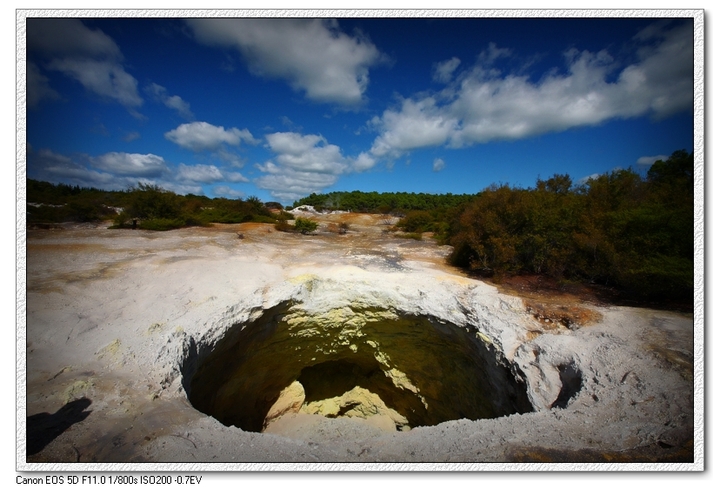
x,y
281,108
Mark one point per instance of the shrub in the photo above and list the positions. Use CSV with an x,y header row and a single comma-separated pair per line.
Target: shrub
x,y
263,219
305,226
282,225
416,222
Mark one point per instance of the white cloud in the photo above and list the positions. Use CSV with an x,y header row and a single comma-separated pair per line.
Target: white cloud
x,y
363,162
650,160
199,173
484,105
225,191
139,165
305,164
287,184
171,101
234,177
417,124
438,164
119,171
206,174
444,70
199,136
86,55
313,55
309,153
584,180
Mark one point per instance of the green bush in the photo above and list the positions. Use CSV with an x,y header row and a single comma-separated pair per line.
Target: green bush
x,y
416,222
305,226
618,229
282,225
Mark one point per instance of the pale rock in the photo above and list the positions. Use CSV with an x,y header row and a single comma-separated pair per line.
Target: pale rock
x,y
361,403
382,421
291,400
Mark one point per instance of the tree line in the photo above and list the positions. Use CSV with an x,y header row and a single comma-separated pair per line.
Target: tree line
x,y
143,206
382,202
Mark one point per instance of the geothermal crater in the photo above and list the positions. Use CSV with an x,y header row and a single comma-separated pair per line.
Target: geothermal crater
x,y
195,346
402,371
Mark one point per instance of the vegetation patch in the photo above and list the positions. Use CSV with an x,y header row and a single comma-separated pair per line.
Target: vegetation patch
x,y
415,236
305,226
146,207
553,315
620,229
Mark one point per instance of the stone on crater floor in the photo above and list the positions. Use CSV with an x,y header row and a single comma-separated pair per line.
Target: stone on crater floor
x,y
290,401
358,402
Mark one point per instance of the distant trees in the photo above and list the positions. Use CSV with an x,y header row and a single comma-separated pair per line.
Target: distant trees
x,y
150,206
382,203
59,203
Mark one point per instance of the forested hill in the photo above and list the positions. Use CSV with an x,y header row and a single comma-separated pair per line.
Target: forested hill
x,y
383,203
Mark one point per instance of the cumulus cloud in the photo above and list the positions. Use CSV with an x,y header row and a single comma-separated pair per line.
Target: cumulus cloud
x,y
650,160
199,173
200,136
417,124
482,104
148,165
363,162
174,102
86,55
309,153
312,55
206,174
287,184
438,164
304,164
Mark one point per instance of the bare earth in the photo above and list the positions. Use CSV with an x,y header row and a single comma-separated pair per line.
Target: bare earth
x,y
111,314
